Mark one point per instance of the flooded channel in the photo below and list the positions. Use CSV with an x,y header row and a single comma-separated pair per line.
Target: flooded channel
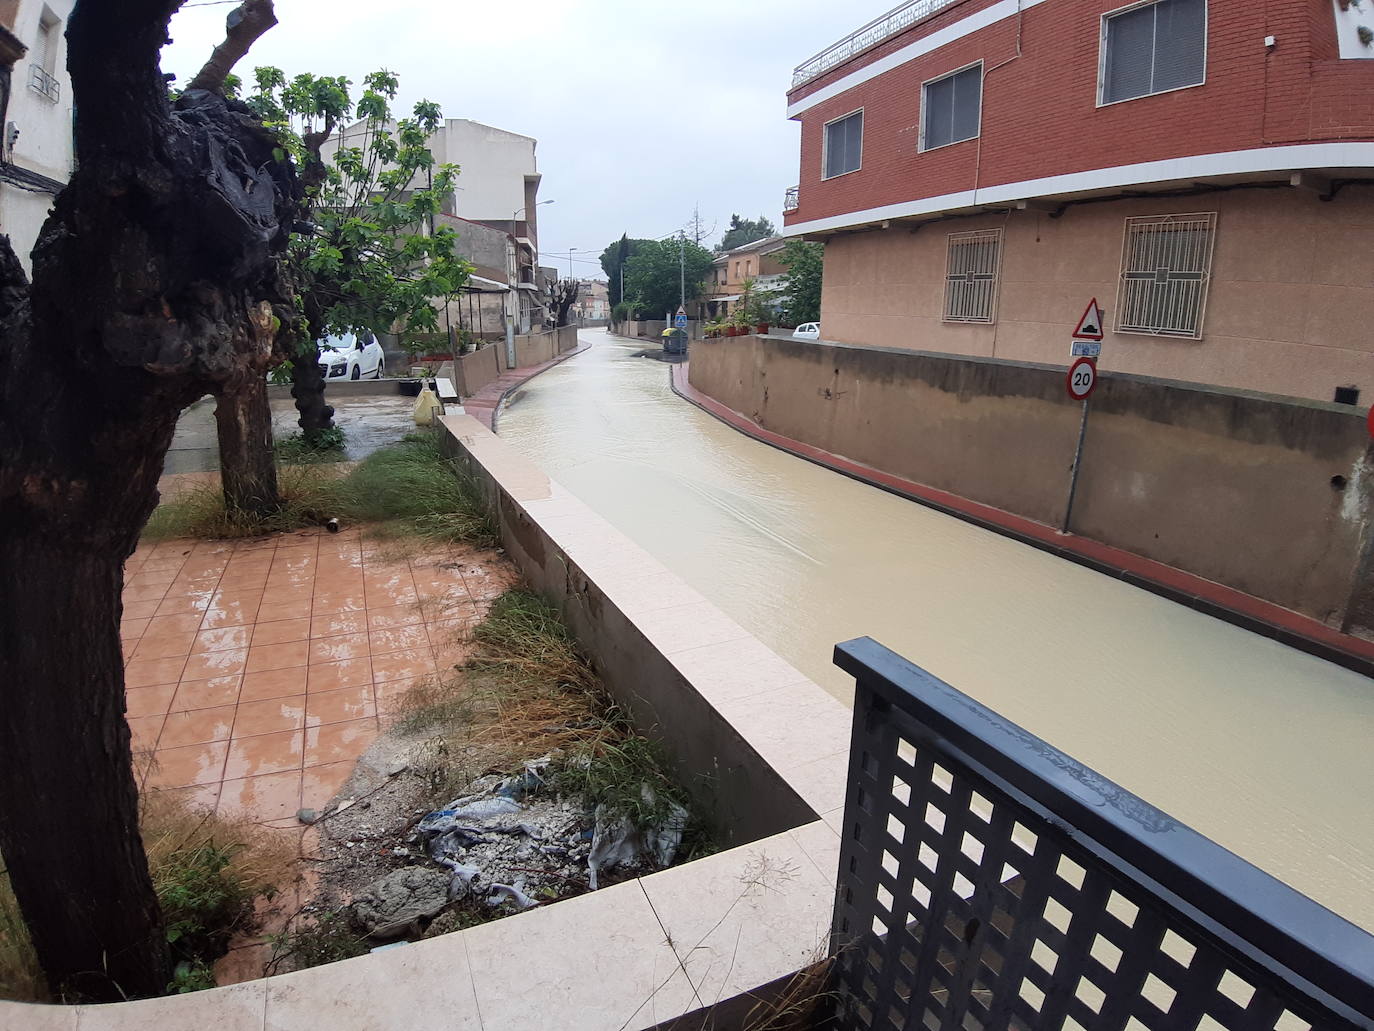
x,y
1263,748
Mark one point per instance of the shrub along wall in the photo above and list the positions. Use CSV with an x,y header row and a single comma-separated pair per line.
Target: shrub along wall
x,y
1265,494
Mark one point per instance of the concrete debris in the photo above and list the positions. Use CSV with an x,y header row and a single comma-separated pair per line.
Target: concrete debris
x,y
395,904
617,843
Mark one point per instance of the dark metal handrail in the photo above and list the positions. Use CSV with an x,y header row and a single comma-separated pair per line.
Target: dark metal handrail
x,y
1294,953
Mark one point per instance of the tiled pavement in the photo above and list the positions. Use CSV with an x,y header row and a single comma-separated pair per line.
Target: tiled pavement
x,y
257,671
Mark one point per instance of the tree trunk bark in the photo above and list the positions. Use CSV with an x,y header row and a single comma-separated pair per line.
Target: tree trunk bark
x,y
70,829
247,464
307,387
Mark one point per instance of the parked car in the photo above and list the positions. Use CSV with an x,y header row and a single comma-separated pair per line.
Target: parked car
x,y
807,331
351,356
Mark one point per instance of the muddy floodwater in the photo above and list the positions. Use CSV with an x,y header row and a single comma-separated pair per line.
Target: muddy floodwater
x,y
1265,749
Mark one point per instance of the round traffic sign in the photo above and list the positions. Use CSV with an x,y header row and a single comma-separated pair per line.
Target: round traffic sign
x,y
1082,379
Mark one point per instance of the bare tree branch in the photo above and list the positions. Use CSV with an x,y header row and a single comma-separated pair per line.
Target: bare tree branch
x,y
244,25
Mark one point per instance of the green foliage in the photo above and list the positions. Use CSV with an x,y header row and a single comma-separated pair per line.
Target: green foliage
x,y
745,230
328,939
620,312
409,489
191,976
805,264
613,258
652,276
375,257
202,903
323,446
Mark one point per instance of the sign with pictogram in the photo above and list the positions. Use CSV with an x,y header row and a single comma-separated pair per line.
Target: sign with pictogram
x,y
1085,348
1082,379
1090,325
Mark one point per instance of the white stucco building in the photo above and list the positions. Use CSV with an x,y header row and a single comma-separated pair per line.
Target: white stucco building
x,y
36,150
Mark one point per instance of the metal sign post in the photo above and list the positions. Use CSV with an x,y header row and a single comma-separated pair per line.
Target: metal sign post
x,y
1085,348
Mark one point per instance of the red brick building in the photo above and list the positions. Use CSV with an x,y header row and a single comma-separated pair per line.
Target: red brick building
x,y
979,168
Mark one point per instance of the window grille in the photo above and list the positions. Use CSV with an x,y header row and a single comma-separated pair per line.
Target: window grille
x,y
1166,264
844,139
971,272
951,108
1153,49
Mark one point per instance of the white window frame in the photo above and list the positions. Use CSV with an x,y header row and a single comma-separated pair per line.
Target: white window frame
x,y
921,147
1123,303
825,144
950,242
1102,54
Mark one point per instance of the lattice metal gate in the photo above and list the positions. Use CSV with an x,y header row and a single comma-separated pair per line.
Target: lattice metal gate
x,y
988,880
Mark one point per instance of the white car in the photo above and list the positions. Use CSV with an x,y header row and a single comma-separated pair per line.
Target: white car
x,y
807,331
351,356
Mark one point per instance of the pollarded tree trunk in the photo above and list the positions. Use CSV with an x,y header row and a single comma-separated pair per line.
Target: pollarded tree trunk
x,y
307,387
247,464
157,277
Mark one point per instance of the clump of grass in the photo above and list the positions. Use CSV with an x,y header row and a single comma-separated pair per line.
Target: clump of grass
x,y
328,938
208,872
408,489
322,446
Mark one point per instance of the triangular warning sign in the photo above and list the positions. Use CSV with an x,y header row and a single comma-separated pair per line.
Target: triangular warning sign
x,y
1090,325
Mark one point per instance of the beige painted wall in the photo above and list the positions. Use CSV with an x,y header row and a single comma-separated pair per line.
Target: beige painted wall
x,y
1234,487
1290,311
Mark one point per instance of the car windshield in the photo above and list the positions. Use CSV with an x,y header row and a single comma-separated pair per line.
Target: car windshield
x,y
337,343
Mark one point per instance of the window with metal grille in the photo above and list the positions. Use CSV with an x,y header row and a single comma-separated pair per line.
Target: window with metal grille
x,y
971,276
1166,263
844,145
1153,48
951,108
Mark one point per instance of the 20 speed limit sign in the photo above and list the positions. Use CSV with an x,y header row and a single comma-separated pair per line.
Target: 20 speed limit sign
x,y
1082,379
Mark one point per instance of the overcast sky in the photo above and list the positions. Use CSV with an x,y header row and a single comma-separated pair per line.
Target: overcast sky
x,y
641,108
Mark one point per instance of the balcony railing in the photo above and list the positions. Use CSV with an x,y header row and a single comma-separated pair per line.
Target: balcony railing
x,y
987,880
41,82
792,201
879,29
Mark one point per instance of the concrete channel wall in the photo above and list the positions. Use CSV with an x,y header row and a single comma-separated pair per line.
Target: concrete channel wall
x,y
1268,495
763,747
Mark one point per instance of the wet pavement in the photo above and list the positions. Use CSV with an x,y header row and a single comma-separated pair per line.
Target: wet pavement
x,y
368,422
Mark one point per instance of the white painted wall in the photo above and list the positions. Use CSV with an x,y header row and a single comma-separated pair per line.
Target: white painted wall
x,y
1348,24
45,126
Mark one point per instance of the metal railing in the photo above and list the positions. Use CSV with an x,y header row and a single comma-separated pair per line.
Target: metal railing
x,y
41,82
792,200
987,880
879,29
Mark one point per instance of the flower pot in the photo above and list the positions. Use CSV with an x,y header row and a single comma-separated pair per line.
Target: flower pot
x,y
762,328
408,387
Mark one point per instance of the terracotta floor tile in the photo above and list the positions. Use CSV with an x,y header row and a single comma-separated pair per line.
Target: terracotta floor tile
x,y
390,616
262,657
321,783
132,629
187,623
266,753
197,726
197,602
231,610
152,578
338,742
275,796
164,646
150,672
281,631
206,694
390,693
207,665
274,611
412,663
269,716
449,657
334,676
332,649
193,764
223,638
254,579
339,706
149,701
140,609
405,638
274,683
153,593
335,623
145,730
199,797
337,601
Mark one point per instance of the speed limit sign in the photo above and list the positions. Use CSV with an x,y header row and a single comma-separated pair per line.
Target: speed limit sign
x,y
1082,379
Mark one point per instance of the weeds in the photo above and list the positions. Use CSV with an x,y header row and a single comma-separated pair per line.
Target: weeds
x,y
327,939
408,489
324,446
207,871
